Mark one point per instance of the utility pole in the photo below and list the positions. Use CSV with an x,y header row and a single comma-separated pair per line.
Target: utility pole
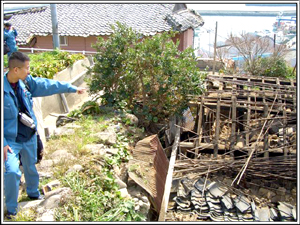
x,y
54,26
215,48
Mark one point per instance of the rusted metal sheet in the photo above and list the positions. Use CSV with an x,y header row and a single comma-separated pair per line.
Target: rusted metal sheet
x,y
149,168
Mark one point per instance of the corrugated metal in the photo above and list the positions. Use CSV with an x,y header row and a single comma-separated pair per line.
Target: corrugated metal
x,y
150,157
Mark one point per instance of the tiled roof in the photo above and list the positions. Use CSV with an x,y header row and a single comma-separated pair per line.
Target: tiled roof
x,y
94,19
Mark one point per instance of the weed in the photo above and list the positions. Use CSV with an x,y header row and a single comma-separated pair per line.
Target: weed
x,y
95,195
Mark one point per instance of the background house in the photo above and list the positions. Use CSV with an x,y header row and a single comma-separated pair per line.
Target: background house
x,y
79,25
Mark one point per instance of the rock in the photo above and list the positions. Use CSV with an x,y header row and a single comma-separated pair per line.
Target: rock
x,y
49,187
144,207
61,155
266,193
45,174
64,191
281,191
63,131
108,137
135,191
117,170
75,168
112,151
96,149
71,125
29,204
137,207
124,193
47,216
145,199
133,119
120,182
45,164
51,202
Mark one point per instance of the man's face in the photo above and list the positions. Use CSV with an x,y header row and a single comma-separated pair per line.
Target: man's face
x,y
7,28
23,71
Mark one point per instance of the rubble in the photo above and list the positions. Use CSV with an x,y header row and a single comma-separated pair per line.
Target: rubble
x,y
218,202
238,150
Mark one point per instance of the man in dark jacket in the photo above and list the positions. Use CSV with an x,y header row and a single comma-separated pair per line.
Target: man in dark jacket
x,y
10,34
19,136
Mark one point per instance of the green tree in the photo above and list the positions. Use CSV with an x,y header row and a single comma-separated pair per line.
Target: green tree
x,y
253,48
149,74
275,67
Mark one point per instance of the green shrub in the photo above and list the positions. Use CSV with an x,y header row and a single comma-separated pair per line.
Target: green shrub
x,y
150,75
47,64
275,67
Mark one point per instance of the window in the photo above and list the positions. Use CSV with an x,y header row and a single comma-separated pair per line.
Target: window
x,y
63,41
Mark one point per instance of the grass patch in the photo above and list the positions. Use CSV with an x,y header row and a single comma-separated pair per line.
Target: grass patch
x,y
95,195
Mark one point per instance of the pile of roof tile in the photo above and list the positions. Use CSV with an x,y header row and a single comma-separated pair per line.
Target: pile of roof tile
x,y
213,201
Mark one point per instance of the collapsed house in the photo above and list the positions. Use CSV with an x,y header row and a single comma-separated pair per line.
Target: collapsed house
x,y
233,158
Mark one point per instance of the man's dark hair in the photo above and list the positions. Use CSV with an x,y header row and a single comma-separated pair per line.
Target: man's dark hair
x,y
7,24
17,59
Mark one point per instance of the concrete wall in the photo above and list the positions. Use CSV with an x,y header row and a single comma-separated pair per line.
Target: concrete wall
x,y
43,106
74,75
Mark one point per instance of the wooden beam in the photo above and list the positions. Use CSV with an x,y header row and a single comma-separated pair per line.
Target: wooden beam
x,y
199,128
233,125
285,149
168,184
217,130
248,121
266,142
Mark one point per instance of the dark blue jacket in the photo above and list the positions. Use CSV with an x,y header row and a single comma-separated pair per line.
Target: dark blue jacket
x,y
39,87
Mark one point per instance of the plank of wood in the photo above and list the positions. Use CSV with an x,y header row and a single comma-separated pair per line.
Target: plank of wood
x,y
168,184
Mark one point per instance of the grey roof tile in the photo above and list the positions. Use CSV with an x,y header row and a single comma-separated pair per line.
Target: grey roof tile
x,y
95,19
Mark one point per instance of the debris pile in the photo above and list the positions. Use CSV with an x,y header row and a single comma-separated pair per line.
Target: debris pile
x,y
242,129
205,200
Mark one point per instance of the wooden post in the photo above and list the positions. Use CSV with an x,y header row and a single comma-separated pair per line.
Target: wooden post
x,y
217,130
233,125
215,48
248,118
294,96
168,184
266,142
264,95
199,128
285,150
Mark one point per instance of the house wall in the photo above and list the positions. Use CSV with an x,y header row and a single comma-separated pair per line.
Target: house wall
x,y
186,39
84,44
74,43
